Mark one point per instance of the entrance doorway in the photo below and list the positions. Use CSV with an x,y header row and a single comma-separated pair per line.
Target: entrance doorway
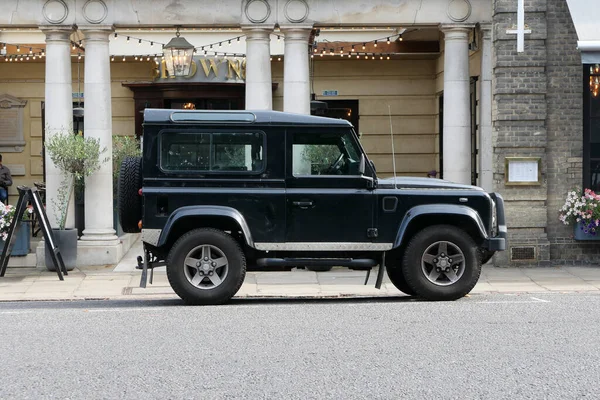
x,y
344,109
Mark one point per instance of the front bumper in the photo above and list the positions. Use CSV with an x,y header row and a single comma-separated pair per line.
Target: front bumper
x,y
498,242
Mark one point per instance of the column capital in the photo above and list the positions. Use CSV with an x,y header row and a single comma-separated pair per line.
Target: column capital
x,y
57,32
97,28
257,32
296,32
456,29
96,33
486,30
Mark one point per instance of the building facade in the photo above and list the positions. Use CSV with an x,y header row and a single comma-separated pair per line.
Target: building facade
x,y
444,79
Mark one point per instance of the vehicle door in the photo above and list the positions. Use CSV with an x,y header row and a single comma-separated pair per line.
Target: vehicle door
x,y
329,203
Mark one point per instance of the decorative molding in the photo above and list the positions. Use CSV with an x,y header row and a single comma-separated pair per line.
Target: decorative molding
x,y
257,11
55,11
296,10
95,11
459,10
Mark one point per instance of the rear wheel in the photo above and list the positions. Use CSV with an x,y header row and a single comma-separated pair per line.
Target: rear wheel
x,y
206,266
441,263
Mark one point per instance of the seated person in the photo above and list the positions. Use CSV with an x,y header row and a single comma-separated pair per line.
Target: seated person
x,y
5,181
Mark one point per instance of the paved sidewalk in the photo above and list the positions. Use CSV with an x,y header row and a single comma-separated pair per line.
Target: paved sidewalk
x,y
21,284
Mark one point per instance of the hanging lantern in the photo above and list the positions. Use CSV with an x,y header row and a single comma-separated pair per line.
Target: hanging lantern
x,y
178,56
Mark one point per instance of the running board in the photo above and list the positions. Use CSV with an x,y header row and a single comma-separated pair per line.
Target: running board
x,y
317,262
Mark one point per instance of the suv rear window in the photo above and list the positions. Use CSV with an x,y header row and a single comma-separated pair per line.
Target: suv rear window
x,y
212,152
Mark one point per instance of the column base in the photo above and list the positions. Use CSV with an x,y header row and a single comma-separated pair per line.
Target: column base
x,y
99,237
96,253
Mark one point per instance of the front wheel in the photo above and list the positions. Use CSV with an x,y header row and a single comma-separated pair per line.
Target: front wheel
x,y
206,266
441,263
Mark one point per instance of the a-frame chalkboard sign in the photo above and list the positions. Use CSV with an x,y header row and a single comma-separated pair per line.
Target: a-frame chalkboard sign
x,y
26,194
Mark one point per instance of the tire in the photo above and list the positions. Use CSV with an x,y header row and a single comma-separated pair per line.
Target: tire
x,y
441,246
213,282
397,278
319,269
130,202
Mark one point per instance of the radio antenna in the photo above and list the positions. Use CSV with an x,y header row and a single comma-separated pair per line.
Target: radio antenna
x,y
393,152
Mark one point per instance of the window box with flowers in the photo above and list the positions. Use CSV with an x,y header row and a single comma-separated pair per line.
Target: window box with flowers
x,y
23,235
582,210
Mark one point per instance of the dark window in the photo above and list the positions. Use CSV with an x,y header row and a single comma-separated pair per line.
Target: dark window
x,y
325,154
212,152
591,127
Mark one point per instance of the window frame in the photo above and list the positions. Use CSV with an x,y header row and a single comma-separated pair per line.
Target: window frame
x,y
163,132
357,147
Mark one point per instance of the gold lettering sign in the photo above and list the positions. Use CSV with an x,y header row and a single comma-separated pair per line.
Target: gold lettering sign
x,y
215,70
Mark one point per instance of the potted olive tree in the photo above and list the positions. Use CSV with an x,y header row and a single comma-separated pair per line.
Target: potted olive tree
x,y
77,158
123,146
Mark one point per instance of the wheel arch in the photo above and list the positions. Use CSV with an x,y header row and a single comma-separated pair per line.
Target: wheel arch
x,y
187,218
420,217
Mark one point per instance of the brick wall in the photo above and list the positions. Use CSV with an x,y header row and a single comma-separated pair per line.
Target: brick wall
x,y
537,111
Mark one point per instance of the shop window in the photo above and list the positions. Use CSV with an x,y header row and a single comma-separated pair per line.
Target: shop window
x,y
591,127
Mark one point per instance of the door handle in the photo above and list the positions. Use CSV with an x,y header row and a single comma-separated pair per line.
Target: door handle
x,y
303,204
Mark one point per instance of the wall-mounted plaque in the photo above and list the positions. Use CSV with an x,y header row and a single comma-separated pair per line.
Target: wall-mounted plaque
x,y
11,123
523,171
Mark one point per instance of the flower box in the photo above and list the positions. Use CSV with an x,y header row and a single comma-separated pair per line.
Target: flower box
x,y
579,232
22,240
582,210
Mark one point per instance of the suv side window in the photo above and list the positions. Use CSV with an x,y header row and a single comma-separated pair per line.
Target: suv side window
x,y
325,154
212,151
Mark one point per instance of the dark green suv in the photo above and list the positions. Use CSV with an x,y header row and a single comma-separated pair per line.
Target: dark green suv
x,y
215,191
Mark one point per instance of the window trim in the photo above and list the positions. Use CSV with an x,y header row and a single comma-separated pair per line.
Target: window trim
x,y
162,132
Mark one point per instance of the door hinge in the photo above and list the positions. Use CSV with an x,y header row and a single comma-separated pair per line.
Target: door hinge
x,y
372,233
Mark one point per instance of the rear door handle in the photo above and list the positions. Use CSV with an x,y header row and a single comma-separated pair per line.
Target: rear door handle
x,y
303,204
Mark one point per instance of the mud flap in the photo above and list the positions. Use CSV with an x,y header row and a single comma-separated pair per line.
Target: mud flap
x,y
380,272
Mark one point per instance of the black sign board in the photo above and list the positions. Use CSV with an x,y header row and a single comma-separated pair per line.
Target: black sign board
x,y
31,194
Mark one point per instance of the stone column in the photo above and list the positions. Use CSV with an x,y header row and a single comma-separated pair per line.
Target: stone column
x,y
58,111
98,124
457,115
259,92
296,78
486,148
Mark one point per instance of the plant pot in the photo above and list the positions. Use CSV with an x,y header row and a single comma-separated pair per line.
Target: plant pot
x,y
580,234
66,240
22,240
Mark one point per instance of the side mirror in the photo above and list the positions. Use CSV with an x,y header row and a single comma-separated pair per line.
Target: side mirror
x,y
361,165
372,165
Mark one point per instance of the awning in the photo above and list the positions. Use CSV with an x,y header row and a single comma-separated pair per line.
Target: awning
x,y
588,30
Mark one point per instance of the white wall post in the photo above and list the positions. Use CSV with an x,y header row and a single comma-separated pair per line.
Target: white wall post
x,y
259,92
486,148
98,125
58,111
457,113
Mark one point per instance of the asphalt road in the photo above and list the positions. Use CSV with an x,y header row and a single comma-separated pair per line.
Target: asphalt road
x,y
485,346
